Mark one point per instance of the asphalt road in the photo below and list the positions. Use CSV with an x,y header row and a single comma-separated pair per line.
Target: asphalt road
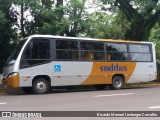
x,y
131,99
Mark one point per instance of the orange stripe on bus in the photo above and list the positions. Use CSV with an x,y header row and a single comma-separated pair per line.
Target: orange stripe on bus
x,y
102,72
120,41
12,81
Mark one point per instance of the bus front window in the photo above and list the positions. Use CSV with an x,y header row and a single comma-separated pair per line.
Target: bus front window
x,y
11,60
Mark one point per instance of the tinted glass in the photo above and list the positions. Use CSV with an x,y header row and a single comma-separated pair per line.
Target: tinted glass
x,y
139,52
66,45
116,52
86,46
66,50
139,48
92,51
15,53
37,51
114,47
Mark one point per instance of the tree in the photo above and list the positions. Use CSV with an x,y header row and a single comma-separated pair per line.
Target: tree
x,y
155,37
7,32
56,18
102,25
142,16
75,13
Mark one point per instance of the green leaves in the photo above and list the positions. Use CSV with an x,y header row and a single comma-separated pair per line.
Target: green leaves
x,y
142,16
7,32
116,19
155,37
2,18
102,25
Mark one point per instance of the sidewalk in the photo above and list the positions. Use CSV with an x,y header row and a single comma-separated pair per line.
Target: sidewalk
x,y
4,90
8,90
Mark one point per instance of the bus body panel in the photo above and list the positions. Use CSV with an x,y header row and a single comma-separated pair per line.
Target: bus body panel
x,y
64,73
143,72
88,73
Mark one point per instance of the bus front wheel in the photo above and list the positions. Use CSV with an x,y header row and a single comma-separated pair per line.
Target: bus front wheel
x,y
117,83
40,86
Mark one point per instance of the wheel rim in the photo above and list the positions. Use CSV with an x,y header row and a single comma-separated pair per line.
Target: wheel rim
x,y
41,86
118,83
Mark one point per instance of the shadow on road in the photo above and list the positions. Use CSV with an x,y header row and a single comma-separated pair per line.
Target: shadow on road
x,y
55,90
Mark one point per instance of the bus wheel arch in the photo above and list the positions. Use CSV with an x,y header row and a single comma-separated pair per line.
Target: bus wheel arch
x,y
41,84
118,81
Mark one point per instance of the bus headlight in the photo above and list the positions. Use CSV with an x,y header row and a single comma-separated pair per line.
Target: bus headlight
x,y
12,74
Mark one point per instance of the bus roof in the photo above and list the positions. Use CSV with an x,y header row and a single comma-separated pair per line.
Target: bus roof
x,y
87,39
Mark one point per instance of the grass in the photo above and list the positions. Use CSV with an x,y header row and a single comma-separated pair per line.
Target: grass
x,y
147,84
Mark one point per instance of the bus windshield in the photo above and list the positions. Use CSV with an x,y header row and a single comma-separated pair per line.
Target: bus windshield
x,y
12,58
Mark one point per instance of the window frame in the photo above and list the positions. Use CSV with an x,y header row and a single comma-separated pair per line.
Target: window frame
x,y
150,51
55,50
26,47
93,51
106,52
53,54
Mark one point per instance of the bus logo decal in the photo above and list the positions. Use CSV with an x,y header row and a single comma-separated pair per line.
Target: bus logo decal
x,y
113,68
57,68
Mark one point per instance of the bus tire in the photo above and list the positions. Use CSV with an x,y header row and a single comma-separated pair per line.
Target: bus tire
x,y
40,86
27,90
117,83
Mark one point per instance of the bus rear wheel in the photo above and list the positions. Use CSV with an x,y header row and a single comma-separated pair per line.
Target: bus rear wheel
x,y
117,83
40,86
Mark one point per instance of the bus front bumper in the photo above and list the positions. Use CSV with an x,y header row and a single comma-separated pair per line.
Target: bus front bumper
x,y
12,80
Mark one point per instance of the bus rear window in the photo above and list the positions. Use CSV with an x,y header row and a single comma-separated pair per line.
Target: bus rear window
x,y
140,52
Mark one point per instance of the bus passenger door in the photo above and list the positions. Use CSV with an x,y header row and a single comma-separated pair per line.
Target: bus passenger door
x,y
60,76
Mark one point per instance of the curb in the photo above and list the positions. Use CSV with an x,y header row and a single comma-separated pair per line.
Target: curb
x,y
8,90
149,84
2,89
3,93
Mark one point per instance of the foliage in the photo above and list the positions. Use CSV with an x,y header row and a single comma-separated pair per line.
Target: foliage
x,y
75,15
102,25
117,19
155,37
7,33
142,16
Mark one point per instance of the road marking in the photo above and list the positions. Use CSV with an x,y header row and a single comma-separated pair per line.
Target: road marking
x,y
3,103
111,95
154,107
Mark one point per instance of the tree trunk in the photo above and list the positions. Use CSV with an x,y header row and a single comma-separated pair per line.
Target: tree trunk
x,y
138,31
59,6
141,23
22,19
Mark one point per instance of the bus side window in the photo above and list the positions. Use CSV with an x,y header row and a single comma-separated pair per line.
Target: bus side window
x,y
109,57
89,56
37,52
92,50
116,52
66,50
